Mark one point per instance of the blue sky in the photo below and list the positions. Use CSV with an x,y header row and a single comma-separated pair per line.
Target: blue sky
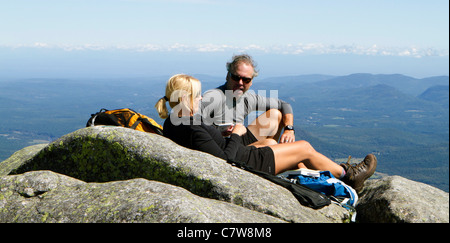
x,y
381,33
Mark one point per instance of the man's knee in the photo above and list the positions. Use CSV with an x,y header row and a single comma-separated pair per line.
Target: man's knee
x,y
267,124
269,119
274,114
269,141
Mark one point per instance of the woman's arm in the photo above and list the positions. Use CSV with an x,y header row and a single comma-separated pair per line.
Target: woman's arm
x,y
208,141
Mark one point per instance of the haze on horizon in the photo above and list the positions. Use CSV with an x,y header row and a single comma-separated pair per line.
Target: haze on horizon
x,y
141,38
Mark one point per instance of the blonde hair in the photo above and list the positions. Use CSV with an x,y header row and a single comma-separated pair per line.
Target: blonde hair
x,y
178,87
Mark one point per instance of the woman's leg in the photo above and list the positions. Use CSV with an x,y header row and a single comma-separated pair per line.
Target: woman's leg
x,y
301,154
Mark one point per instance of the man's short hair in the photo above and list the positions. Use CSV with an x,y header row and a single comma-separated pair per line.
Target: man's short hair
x,y
245,58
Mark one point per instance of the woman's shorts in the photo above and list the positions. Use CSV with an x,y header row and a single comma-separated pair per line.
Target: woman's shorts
x,y
262,159
248,138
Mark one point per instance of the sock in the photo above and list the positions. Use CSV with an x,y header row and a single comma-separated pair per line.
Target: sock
x,y
343,174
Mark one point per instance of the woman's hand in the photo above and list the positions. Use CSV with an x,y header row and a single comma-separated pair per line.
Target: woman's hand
x,y
239,129
228,132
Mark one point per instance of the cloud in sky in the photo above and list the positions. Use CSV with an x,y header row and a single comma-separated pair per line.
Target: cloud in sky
x,y
285,49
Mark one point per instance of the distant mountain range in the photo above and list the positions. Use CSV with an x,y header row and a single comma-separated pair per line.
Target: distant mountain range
x,y
405,84
403,120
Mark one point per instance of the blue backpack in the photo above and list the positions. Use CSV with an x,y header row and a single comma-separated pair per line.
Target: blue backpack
x,y
325,183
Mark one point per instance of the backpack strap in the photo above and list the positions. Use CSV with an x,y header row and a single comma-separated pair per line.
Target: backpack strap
x,y
91,121
127,121
306,196
136,123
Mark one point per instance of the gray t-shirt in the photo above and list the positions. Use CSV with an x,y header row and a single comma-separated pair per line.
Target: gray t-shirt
x,y
219,105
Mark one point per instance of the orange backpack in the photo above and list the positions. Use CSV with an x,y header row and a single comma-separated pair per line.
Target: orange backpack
x,y
125,118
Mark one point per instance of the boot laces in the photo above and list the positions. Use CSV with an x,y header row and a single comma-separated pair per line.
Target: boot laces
x,y
356,168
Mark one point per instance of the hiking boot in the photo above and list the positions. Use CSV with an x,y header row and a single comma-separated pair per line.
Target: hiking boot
x,y
357,174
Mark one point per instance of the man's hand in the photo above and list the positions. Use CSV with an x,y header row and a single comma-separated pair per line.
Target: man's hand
x,y
288,136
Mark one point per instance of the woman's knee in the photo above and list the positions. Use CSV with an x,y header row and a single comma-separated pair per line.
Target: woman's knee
x,y
305,146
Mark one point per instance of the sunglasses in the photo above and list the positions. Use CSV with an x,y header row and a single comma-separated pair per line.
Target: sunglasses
x,y
237,78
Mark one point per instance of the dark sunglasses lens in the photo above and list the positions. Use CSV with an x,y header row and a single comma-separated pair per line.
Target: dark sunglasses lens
x,y
246,80
237,78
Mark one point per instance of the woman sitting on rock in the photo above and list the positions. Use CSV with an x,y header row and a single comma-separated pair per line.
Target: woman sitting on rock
x,y
183,93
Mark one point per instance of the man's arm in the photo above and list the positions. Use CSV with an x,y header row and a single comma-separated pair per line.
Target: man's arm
x,y
288,136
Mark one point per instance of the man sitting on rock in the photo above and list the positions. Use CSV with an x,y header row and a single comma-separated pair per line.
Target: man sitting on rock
x,y
232,103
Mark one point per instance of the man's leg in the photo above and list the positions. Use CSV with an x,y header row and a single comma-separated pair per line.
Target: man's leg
x,y
267,125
